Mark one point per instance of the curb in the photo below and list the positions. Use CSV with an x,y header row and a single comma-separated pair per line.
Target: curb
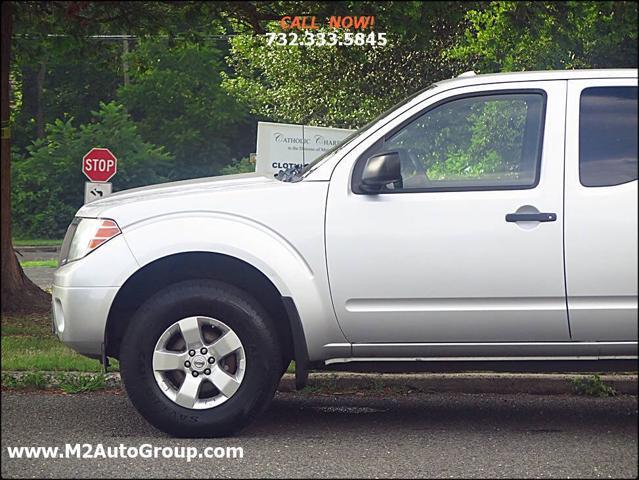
x,y
52,380
49,249
495,383
345,382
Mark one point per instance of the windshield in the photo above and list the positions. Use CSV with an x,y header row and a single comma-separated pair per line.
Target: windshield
x,y
319,160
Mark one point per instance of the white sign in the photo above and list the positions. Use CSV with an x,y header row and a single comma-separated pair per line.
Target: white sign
x,y
281,145
96,191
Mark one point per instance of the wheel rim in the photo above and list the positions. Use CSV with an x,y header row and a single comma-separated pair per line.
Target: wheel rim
x,y
199,362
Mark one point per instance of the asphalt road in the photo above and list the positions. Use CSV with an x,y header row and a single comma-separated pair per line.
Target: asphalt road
x,y
41,276
30,254
417,435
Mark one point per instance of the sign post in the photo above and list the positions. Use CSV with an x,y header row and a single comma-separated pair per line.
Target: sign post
x,y
99,165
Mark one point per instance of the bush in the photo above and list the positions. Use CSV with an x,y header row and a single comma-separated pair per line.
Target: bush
x,y
48,184
239,166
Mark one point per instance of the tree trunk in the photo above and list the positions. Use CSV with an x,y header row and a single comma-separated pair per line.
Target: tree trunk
x,y
29,105
18,293
40,89
125,62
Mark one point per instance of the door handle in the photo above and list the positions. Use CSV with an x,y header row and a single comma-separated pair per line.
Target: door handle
x,y
531,217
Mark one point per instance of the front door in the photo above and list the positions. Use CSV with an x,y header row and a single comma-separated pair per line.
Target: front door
x,y
469,246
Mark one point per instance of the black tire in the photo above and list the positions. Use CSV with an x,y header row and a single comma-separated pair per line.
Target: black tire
x,y
243,315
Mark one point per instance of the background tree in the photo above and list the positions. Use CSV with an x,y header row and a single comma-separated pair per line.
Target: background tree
x,y
507,36
77,75
78,20
179,110
176,99
17,291
430,41
42,199
344,86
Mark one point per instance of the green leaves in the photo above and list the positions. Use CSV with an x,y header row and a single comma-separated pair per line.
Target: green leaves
x,y
193,93
347,86
176,99
239,166
326,86
511,36
48,185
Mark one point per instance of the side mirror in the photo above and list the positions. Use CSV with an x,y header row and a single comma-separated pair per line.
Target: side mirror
x,y
380,170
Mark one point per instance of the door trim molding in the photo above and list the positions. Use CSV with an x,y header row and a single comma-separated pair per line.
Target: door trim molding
x,y
332,361
495,350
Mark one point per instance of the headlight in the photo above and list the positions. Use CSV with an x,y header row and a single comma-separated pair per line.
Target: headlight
x,y
85,235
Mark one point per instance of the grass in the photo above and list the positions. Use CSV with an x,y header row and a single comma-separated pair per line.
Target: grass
x,y
33,325
32,380
53,263
69,382
36,242
28,345
42,353
592,386
76,384
291,367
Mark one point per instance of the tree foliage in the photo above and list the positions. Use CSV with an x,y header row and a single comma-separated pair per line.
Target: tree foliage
x,y
184,96
346,86
176,99
510,36
72,86
243,165
46,179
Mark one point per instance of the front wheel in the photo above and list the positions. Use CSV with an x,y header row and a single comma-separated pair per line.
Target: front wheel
x,y
200,358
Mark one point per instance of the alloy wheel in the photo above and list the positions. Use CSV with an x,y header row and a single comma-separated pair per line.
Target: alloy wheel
x,y
199,362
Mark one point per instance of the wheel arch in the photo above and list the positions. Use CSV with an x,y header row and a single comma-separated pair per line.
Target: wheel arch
x,y
177,267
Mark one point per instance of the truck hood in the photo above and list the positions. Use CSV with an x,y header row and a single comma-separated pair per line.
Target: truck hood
x,y
166,191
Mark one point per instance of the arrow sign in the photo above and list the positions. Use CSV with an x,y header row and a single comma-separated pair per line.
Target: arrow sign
x,y
96,191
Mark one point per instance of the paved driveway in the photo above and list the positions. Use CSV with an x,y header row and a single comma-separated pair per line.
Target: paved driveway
x,y
41,276
417,435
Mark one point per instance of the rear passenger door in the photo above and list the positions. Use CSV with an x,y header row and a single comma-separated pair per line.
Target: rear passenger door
x,y
601,209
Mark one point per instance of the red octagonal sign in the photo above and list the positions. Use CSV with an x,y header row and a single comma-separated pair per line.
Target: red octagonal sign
x,y
99,165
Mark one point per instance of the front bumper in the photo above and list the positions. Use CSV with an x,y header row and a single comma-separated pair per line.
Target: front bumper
x,y
80,315
83,292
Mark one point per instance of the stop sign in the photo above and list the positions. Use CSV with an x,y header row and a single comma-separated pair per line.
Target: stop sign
x,y
99,165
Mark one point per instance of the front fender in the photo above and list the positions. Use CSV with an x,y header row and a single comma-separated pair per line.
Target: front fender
x,y
301,277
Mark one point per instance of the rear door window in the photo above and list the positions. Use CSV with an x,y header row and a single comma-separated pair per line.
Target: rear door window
x,y
608,136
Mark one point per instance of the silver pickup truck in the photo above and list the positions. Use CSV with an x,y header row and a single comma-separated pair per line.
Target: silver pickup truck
x,y
489,221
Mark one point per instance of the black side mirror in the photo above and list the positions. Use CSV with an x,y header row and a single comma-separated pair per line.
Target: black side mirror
x,y
380,170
